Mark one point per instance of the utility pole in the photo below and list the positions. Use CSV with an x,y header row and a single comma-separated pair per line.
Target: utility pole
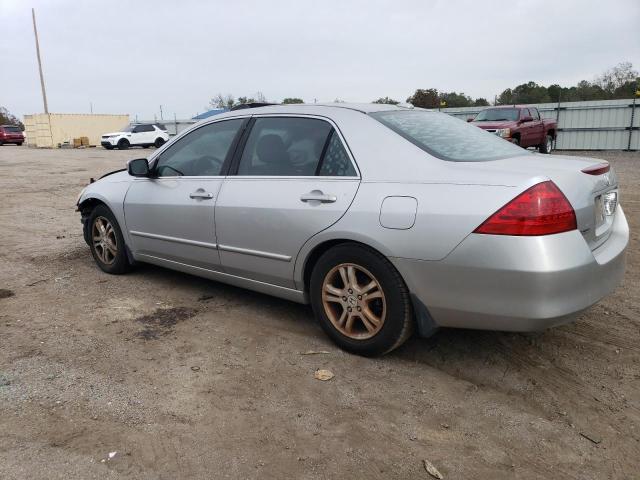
x,y
161,113
44,92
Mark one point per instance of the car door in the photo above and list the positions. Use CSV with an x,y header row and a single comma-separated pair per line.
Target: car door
x,y
145,135
293,178
171,216
537,127
525,128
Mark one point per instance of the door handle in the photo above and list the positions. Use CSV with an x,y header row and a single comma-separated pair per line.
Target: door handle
x,y
201,195
318,196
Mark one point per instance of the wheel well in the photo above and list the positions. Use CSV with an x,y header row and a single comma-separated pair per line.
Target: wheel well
x,y
319,250
89,204
551,132
516,135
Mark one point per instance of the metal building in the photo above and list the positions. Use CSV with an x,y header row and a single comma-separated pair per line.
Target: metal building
x,y
594,125
50,130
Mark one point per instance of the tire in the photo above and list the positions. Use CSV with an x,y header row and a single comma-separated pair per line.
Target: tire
x,y
109,147
159,142
516,141
123,144
19,144
100,239
547,146
392,309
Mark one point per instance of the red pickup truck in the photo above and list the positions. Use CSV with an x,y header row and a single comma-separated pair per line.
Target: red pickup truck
x,y
519,124
11,134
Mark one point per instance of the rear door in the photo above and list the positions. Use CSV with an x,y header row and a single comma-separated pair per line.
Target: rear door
x,y
171,216
294,177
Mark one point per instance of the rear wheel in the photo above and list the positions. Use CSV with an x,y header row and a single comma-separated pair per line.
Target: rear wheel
x,y
106,241
159,142
360,300
123,144
547,146
108,147
19,144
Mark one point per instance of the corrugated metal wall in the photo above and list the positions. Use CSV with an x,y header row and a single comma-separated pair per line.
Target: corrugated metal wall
x,y
597,125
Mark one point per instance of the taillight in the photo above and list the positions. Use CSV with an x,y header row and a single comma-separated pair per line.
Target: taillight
x,y
598,169
541,210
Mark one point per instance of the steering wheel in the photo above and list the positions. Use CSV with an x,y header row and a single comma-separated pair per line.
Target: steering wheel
x,y
207,165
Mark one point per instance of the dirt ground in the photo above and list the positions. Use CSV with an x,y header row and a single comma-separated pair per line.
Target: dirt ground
x,y
188,378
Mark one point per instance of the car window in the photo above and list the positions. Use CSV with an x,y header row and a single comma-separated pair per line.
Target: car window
x,y
143,128
336,162
11,129
447,137
161,126
201,152
534,113
497,115
284,146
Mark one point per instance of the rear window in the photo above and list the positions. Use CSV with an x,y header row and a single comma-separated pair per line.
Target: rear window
x,y
12,129
447,137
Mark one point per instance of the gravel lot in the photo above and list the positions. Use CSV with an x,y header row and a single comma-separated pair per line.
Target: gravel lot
x,y
188,378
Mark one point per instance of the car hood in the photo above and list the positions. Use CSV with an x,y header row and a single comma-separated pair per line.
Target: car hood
x,y
492,125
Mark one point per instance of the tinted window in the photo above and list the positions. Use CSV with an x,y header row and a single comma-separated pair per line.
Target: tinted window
x,y
284,147
201,152
143,128
161,126
447,137
11,129
534,113
336,162
498,115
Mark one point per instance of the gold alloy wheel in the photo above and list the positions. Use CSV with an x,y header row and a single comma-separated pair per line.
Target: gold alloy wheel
x,y
105,242
354,301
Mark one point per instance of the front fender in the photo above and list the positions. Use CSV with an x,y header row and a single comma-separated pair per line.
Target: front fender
x,y
112,195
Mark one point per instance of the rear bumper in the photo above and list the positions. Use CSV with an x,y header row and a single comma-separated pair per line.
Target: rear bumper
x,y
509,283
12,139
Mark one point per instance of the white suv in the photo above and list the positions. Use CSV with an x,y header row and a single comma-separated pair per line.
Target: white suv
x,y
137,135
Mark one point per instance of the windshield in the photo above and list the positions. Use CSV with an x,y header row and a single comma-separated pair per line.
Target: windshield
x,y
447,137
498,114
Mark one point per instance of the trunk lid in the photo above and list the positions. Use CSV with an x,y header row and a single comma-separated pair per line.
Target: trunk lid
x,y
585,192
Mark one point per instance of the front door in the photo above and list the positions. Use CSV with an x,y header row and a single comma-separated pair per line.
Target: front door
x,y
171,216
294,179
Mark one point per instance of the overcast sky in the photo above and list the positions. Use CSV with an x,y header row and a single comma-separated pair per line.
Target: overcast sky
x,y
132,56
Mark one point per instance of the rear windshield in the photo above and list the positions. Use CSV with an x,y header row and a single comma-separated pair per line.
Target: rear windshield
x,y
12,129
447,137
498,115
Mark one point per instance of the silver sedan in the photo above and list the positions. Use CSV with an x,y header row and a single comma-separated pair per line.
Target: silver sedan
x,y
387,220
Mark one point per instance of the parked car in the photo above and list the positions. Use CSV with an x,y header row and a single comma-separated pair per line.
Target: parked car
x,y
136,135
521,125
386,219
11,134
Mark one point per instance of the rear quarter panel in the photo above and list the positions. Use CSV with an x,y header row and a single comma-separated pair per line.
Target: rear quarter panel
x,y
445,215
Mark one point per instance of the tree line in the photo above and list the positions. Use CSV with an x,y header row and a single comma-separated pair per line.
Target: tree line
x,y
620,81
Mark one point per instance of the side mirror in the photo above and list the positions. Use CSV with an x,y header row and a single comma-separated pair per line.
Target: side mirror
x,y
469,120
526,119
138,167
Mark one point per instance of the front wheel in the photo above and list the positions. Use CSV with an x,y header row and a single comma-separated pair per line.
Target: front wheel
x,y
360,300
547,146
123,144
107,242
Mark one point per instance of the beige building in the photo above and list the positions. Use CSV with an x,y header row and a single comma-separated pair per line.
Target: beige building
x,y
50,130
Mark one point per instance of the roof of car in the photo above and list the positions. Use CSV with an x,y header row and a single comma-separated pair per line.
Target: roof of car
x,y
321,107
